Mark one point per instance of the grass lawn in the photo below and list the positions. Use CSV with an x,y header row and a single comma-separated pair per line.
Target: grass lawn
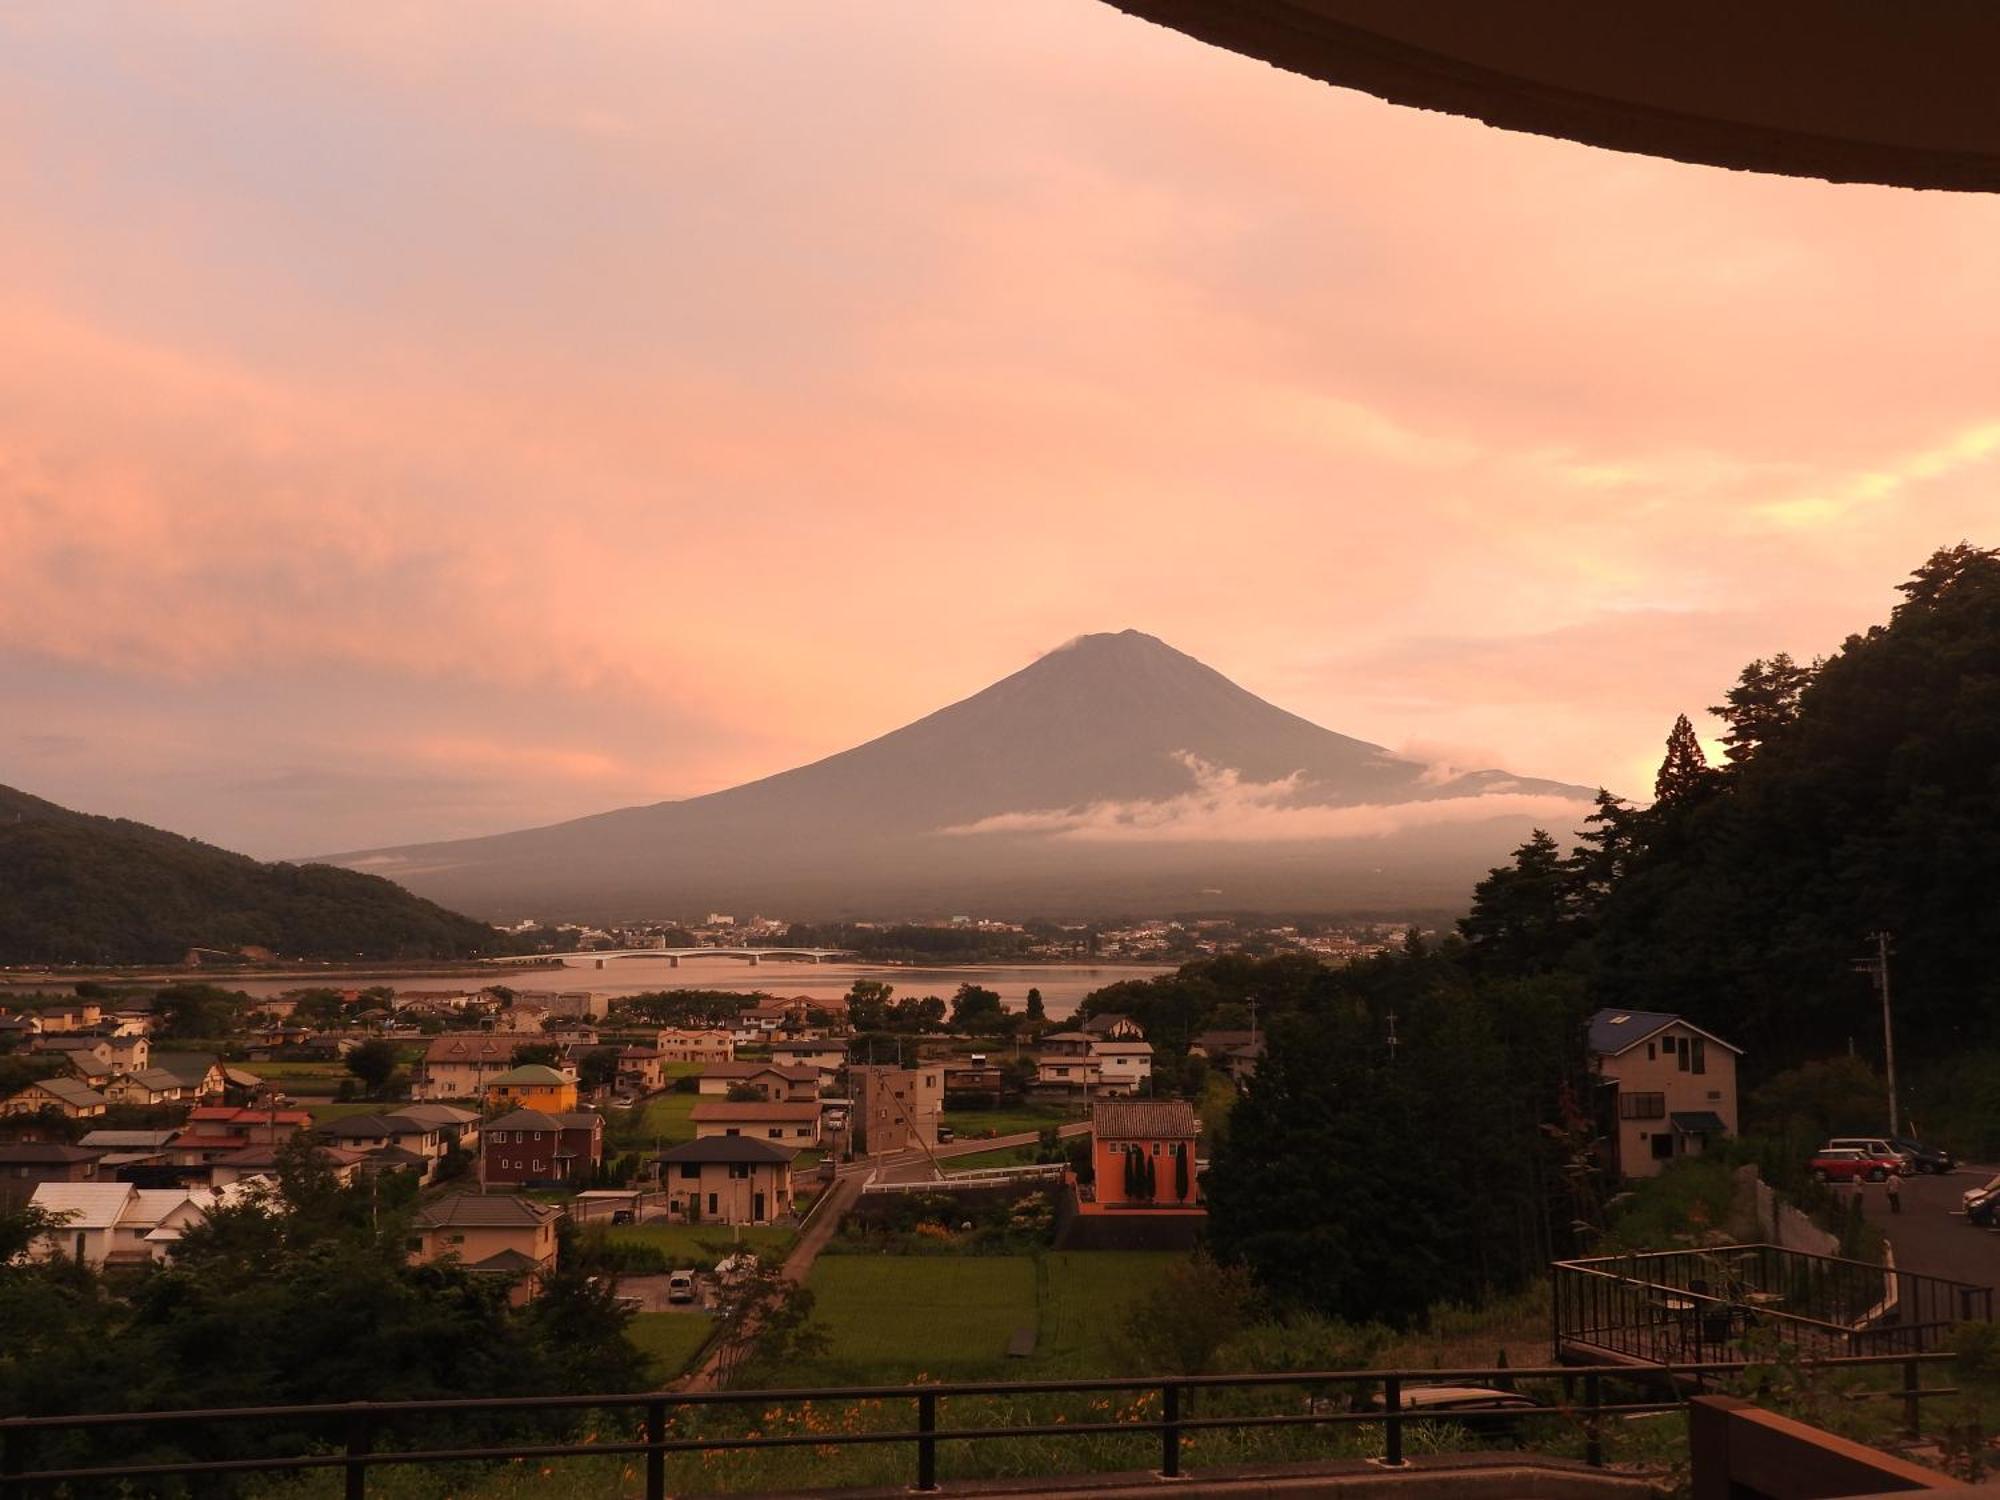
x,y
704,1244
892,1317
663,1118
973,1123
1006,1156
321,1113
671,1338
330,1070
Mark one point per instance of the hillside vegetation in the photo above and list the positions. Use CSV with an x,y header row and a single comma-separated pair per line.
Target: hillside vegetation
x,y
75,888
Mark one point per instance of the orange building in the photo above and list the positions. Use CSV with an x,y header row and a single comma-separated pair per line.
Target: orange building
x,y
1142,1153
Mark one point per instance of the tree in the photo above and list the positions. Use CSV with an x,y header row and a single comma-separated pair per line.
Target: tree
x,y
868,1005
1182,1325
1684,773
374,1063
975,1009
598,1068
1762,705
1522,914
542,1054
1036,1011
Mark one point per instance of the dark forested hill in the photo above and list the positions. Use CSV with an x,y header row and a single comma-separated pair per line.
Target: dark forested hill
x,y
1861,795
78,888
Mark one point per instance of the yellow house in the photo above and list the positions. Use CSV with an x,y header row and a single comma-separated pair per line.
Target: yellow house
x,y
1671,1087
494,1236
531,1086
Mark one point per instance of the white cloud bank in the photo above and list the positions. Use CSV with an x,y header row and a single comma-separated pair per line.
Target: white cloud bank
x,y
1222,807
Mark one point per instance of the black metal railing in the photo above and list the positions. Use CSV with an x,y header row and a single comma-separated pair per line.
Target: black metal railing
x,y
1697,1306
352,1434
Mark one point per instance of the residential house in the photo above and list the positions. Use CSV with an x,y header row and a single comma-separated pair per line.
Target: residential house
x,y
68,1097
26,1165
521,1019
96,1057
788,1124
532,1145
1234,1054
147,1086
640,1068
490,1234
454,1126
388,1142
1669,1088
1142,1153
218,1130
1064,1063
14,1028
85,1054
728,1179
586,1005
117,1224
121,1148
801,1052
968,1080
201,1075
532,1086
772,1080
896,1109
711,1044
84,1015
1109,1028
459,1065
1123,1067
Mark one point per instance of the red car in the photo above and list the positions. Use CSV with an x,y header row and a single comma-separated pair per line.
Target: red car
x,y
1842,1165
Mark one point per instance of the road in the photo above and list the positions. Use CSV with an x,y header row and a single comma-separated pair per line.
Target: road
x,y
1928,1237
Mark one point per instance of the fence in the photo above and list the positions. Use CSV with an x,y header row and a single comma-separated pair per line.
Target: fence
x,y
361,1427
1699,1306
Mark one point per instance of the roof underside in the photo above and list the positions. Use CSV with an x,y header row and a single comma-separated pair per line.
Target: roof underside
x,y
1846,90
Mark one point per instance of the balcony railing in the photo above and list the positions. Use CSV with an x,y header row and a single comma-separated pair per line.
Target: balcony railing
x,y
1713,1304
357,1438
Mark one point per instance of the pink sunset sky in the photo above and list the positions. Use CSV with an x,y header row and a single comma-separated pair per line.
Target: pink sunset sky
x,y
431,420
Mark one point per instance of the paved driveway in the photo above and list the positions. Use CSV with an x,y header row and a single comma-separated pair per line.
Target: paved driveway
x,y
1929,1237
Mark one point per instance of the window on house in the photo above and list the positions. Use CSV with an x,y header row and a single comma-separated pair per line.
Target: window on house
x,y
1642,1106
731,1130
738,1170
414,1245
690,1171
1681,1053
776,1132
1651,1054
455,1239
1663,1146
1700,1055
538,1166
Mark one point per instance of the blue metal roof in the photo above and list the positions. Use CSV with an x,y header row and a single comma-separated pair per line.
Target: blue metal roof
x,y
1615,1031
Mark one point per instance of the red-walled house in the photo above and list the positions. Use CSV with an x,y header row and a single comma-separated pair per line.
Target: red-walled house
x,y
1142,1153
530,1146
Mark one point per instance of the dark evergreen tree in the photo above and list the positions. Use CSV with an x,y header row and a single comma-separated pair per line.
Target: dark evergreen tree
x,y
1762,705
1684,773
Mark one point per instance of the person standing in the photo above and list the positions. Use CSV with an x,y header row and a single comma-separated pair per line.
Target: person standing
x,y
1893,1187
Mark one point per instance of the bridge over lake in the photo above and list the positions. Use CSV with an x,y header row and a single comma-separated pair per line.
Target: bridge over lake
x,y
675,956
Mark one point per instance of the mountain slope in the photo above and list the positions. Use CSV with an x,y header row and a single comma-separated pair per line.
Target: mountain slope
x,y
80,888
1112,771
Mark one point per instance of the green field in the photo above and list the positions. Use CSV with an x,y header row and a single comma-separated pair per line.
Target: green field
x,y
671,1338
971,1124
949,1317
1006,1156
322,1112
704,1244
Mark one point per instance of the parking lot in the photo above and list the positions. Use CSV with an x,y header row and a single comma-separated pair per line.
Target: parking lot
x,y
1929,1236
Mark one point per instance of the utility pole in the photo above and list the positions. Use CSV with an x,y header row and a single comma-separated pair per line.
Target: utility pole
x,y
1878,968
1394,1043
